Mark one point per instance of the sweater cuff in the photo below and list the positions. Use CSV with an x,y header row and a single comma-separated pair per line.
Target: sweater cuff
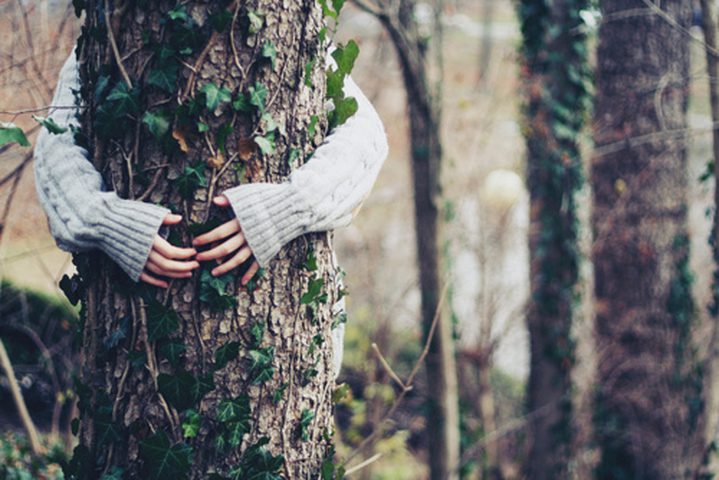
x,y
128,230
270,215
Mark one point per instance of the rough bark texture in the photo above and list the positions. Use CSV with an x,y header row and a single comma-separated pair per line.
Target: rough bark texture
x,y
554,48
233,59
647,413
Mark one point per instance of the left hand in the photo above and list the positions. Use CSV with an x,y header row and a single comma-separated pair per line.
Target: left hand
x,y
233,247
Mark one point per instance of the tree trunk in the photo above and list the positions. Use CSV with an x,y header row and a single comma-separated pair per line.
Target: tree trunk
x,y
205,378
556,69
648,421
425,135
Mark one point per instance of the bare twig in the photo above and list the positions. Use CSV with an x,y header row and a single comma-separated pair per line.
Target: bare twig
x,y
113,44
408,384
27,422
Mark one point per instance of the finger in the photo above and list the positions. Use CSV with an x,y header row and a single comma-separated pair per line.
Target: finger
x,y
221,201
154,268
224,249
172,219
250,273
232,263
144,277
166,249
223,231
171,265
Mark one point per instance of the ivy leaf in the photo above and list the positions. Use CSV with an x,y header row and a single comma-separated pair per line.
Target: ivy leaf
x,y
220,20
311,260
163,77
256,332
162,461
309,66
122,100
176,389
179,13
242,103
258,96
270,52
72,288
256,19
192,177
161,321
191,424
10,133
266,143
50,125
313,125
157,123
226,354
116,473
313,291
214,96
213,290
172,350
345,57
343,110
261,364
305,421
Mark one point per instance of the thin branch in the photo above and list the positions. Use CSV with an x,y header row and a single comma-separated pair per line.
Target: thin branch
x,y
372,438
113,44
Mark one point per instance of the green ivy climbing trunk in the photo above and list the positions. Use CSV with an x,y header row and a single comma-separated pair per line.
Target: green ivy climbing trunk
x,y
206,379
648,402
556,73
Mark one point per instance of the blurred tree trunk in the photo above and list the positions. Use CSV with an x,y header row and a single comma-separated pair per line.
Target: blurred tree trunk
x,y
648,410
207,379
425,134
556,75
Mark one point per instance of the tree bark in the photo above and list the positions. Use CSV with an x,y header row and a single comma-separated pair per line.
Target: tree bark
x,y
557,77
648,410
126,404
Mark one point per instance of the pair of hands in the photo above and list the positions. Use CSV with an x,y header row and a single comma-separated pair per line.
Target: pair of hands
x,y
167,260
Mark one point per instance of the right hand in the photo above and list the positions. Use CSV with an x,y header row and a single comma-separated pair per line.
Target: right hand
x,y
166,260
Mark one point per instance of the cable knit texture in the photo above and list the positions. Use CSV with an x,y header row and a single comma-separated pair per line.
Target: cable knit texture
x,y
324,193
81,214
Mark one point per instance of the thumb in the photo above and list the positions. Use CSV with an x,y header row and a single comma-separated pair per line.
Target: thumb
x,y
221,201
172,219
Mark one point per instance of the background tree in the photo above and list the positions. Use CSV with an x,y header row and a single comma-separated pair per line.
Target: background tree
x,y
556,72
205,379
648,407
424,111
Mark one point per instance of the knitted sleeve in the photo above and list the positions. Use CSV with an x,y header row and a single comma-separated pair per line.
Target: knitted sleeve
x,y
324,193
81,214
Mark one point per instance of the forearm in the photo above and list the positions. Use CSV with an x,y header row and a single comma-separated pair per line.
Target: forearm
x,y
323,193
80,214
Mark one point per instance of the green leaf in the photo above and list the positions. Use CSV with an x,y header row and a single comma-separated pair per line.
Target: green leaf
x,y
162,461
345,57
313,291
164,77
191,424
309,66
261,364
305,421
256,332
270,52
258,96
221,137
10,133
214,96
266,144
176,389
116,473
343,110
179,13
172,350
256,19
226,354
242,103
123,100
190,179
50,125
161,321
220,20
213,290
311,260
157,123
313,125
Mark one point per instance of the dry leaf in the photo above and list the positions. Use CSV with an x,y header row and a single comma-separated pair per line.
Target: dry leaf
x,y
181,138
246,148
217,161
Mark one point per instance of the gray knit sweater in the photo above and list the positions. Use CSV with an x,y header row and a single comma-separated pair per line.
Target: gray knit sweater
x,y
320,195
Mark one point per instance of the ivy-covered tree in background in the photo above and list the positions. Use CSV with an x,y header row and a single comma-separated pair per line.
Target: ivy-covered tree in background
x,y
206,379
557,79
